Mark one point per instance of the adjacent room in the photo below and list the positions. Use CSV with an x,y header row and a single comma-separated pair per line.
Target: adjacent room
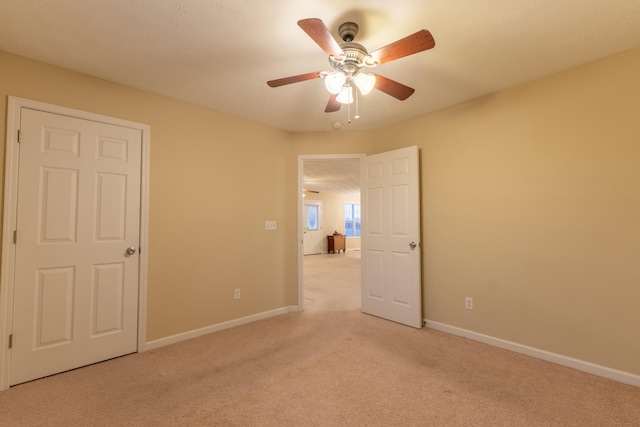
x,y
176,174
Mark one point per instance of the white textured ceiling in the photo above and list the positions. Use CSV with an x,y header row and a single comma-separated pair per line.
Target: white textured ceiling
x,y
220,53
332,175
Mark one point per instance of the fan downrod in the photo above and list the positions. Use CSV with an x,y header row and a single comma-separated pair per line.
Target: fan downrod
x,y
348,31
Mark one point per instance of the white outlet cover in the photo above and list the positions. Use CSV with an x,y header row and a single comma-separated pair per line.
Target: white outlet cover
x,y
270,225
468,303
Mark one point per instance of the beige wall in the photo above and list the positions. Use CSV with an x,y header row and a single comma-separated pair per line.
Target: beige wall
x,y
207,209
530,205
333,215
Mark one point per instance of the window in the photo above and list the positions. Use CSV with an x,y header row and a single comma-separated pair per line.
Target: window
x,y
312,217
352,219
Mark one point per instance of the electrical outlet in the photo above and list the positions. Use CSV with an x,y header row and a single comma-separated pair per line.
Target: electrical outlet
x,y
468,303
270,225
236,294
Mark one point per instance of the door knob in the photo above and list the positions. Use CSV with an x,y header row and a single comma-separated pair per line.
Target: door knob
x,y
413,245
131,250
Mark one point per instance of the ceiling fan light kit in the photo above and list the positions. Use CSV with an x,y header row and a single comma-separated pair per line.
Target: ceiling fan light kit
x,y
346,95
365,82
348,59
334,82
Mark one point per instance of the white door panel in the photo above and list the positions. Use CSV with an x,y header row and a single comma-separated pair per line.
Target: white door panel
x,y
313,236
76,288
391,281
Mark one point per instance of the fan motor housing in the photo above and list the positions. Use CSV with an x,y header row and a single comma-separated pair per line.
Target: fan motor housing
x,y
348,31
354,52
355,56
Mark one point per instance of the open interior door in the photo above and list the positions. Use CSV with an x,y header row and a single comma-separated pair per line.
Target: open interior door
x,y
391,256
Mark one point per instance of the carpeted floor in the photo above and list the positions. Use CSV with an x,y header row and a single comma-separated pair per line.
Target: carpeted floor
x,y
330,365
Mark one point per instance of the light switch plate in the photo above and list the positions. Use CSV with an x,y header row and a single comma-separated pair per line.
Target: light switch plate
x,y
270,225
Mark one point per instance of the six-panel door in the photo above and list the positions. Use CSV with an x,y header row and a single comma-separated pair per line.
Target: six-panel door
x,y
76,288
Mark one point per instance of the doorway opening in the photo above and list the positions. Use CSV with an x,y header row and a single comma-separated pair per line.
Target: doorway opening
x,y
332,181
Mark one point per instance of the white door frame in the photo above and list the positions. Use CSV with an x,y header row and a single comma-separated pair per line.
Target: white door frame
x,y
14,106
301,159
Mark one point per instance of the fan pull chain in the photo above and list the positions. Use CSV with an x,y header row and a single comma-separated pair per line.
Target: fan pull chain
x,y
357,116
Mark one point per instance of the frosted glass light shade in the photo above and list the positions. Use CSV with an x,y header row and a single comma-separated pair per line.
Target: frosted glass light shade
x,y
346,95
365,82
334,82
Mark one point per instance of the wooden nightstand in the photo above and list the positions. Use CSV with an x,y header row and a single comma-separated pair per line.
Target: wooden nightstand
x,y
337,242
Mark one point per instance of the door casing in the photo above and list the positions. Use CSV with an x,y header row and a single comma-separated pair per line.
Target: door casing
x,y
14,107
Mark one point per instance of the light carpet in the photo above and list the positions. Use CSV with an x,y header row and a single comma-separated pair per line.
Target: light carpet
x,y
330,365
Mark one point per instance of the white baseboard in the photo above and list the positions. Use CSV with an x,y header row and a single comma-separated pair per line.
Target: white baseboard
x,y
173,339
602,371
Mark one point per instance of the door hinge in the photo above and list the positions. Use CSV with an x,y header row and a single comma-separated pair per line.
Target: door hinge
x,y
10,340
15,236
19,136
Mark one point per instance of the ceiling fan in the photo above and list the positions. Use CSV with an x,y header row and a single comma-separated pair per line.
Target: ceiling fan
x,y
348,59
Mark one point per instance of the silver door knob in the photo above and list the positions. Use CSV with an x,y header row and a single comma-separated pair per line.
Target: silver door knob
x,y
131,250
413,245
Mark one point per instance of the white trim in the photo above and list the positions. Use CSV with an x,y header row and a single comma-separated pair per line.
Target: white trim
x,y
14,105
8,248
144,237
580,365
301,159
218,327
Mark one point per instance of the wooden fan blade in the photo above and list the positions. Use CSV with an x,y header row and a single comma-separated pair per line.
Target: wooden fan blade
x,y
293,79
320,34
332,105
416,42
393,88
